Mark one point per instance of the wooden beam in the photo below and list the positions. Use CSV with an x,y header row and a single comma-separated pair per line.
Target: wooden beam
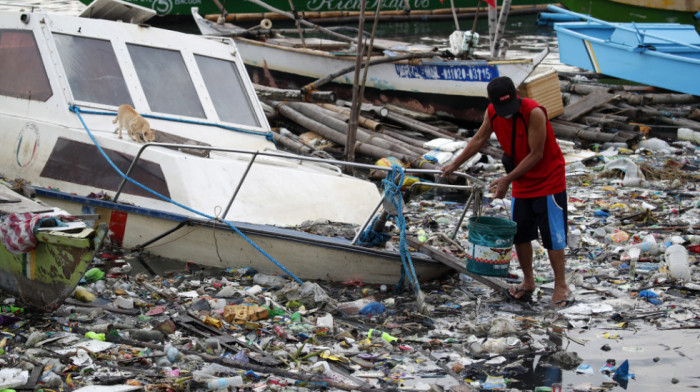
x,y
458,265
585,105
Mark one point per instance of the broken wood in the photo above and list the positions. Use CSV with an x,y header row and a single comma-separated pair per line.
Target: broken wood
x,y
585,105
458,265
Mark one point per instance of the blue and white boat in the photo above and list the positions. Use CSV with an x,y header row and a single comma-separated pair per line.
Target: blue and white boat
x,y
665,55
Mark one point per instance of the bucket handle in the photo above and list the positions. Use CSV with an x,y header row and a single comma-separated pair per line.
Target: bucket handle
x,y
504,207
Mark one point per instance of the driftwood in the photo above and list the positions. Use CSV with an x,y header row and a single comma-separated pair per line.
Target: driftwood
x,y
363,135
458,265
659,99
270,93
585,105
338,137
362,120
416,125
293,144
572,131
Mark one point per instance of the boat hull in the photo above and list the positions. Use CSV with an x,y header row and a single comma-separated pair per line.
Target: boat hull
x,y
647,11
453,88
215,244
610,50
45,276
173,7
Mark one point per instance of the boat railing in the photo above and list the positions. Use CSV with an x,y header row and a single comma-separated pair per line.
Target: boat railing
x,y
476,188
640,34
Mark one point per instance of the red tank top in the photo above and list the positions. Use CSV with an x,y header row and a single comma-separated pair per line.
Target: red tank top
x,y
548,176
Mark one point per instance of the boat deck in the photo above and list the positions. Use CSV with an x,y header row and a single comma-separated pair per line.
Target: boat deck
x,y
11,203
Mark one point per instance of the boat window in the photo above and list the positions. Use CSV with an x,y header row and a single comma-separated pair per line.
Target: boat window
x,y
22,73
93,71
82,163
226,89
166,81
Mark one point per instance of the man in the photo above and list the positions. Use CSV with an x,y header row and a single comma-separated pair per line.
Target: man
x,y
538,178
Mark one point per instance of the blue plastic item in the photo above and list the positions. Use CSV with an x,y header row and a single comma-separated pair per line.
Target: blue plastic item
x,y
373,309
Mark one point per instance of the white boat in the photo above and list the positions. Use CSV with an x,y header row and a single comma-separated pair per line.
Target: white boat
x,y
432,83
227,198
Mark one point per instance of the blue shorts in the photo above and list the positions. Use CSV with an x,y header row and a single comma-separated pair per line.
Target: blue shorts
x,y
546,213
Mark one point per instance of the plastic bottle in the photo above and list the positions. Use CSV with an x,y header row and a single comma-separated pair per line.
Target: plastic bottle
x,y
220,383
677,262
634,256
574,238
100,287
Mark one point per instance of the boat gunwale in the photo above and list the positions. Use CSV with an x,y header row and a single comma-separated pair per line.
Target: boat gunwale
x,y
350,58
269,231
564,29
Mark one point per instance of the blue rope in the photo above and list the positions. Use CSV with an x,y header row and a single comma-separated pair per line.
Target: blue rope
x,y
371,237
392,192
77,111
268,135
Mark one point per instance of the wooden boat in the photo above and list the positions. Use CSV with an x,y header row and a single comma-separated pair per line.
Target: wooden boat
x,y
45,275
313,8
212,189
665,55
645,11
433,83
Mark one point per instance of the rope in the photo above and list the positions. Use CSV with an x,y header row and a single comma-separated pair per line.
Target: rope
x,y
392,193
78,110
371,237
268,135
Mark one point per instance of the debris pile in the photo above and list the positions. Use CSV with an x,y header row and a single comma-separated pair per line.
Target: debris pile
x,y
632,263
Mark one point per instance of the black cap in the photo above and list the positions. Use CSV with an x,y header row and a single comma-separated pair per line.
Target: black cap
x,y
503,96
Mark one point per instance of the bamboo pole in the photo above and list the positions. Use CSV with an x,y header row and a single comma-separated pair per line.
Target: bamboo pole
x,y
493,21
496,45
292,144
363,135
381,60
417,125
362,120
271,93
337,17
349,154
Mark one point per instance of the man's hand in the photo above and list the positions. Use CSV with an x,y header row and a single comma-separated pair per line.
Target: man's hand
x,y
449,169
499,188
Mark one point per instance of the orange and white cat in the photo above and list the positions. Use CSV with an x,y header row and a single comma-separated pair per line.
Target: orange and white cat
x,y
136,126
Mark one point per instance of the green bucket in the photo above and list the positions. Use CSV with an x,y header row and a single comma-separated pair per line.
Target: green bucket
x,y
489,246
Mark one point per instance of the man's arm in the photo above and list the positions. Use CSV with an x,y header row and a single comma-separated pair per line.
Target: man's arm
x,y
475,144
536,135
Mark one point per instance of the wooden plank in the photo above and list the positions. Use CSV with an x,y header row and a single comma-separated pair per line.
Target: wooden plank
x,y
458,265
585,105
14,203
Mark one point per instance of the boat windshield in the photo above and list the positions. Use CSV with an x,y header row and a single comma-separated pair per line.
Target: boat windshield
x,y
166,81
227,91
92,70
94,75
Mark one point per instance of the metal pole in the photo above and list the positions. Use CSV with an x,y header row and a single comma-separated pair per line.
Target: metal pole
x,y
240,183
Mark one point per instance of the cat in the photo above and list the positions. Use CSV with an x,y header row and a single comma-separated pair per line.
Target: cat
x,y
137,126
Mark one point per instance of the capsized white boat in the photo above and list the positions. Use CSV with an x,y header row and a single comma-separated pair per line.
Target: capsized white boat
x,y
433,82
62,79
